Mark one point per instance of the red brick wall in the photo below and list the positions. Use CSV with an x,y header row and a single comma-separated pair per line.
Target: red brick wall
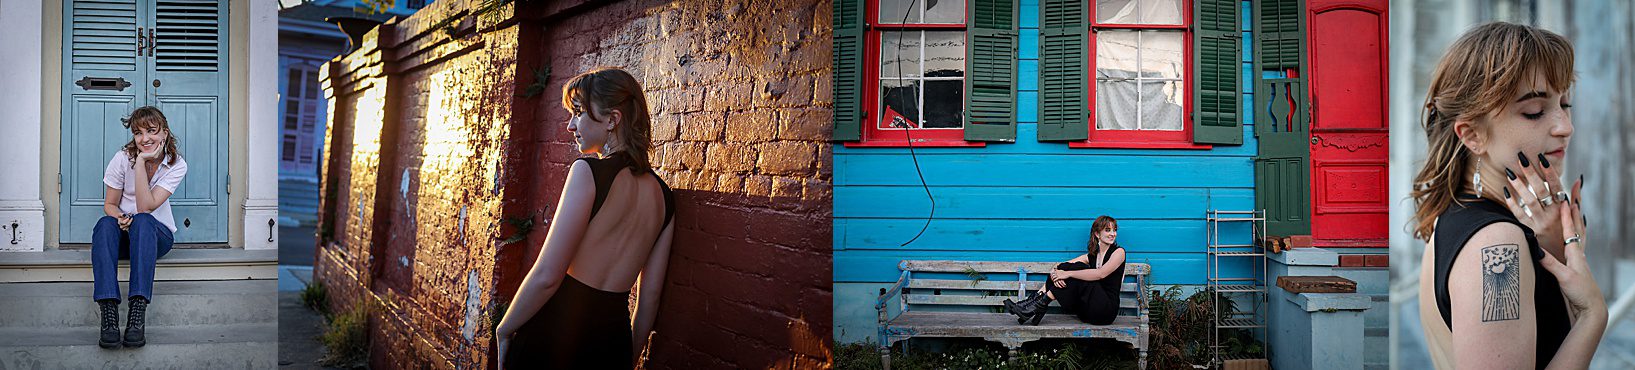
x,y
435,117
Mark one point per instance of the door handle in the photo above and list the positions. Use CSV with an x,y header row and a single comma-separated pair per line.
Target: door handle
x,y
270,230
141,42
153,42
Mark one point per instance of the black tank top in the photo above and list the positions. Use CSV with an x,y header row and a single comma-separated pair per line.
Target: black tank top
x,y
1114,281
605,170
1456,225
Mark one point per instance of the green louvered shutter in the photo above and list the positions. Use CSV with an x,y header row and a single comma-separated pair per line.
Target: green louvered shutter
x,y
1064,113
1282,118
990,99
848,69
1216,102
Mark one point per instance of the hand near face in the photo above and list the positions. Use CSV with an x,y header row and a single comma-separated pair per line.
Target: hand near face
x,y
1573,270
1532,195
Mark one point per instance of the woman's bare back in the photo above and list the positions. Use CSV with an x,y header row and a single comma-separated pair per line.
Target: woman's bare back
x,y
621,233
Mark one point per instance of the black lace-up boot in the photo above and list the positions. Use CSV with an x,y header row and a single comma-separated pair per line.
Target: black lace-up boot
x,y
134,323
110,323
1032,309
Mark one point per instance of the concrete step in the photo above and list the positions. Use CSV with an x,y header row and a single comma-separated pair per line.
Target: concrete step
x,y
179,264
69,304
241,346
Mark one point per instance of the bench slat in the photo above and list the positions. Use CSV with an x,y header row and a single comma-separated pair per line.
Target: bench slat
x,y
1003,326
986,285
1131,268
973,300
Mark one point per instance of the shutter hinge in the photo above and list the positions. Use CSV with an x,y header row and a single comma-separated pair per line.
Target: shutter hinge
x,y
229,184
59,182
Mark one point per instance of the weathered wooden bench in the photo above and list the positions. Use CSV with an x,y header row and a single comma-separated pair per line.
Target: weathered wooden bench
x,y
955,299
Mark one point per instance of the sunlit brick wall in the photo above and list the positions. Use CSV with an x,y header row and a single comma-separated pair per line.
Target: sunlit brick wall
x,y
739,92
422,133
448,155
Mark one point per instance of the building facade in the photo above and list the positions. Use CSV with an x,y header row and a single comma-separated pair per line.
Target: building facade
x,y
997,130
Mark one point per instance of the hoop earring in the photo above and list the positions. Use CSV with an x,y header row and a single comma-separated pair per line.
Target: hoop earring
x,y
1476,176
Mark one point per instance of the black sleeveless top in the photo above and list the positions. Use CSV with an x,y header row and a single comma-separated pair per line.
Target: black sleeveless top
x,y
604,170
1461,221
1114,282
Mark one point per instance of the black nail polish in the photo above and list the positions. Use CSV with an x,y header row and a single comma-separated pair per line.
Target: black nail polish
x,y
1581,179
1542,161
1506,193
1511,175
1523,158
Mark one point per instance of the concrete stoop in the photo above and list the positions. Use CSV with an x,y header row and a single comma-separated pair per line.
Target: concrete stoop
x,y
178,265
220,324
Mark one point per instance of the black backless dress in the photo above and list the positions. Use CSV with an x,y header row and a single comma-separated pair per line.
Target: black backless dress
x,y
1094,302
582,327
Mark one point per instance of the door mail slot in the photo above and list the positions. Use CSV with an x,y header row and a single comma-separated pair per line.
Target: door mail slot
x,y
103,83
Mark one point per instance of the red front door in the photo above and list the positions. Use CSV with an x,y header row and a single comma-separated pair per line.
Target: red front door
x,y
1348,56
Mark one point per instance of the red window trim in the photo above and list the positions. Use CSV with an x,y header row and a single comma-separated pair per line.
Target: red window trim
x,y
1136,139
873,135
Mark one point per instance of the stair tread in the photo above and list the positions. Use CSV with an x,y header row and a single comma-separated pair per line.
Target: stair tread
x,y
161,289
156,335
175,257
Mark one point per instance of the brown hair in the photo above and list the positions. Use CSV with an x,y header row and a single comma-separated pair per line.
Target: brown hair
x,y
145,118
604,89
1479,75
1102,223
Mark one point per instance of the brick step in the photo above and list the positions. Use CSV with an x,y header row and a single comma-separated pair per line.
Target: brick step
x,y
179,264
175,303
240,346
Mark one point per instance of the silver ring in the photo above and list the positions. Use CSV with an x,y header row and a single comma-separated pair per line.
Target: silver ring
x,y
1547,201
1572,239
1533,192
1526,210
1547,187
1563,197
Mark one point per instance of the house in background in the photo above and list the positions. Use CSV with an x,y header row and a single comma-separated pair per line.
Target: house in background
x,y
1003,128
305,42
74,69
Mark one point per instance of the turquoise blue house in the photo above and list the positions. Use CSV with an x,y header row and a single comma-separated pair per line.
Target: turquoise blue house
x,y
1049,113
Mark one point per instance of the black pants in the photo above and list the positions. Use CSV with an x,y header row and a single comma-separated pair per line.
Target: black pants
x,y
1094,302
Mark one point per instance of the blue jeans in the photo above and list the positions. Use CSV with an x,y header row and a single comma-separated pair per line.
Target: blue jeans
x,y
143,244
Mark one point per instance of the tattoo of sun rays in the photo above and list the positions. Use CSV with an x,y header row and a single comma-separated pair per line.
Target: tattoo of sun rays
x,y
1501,283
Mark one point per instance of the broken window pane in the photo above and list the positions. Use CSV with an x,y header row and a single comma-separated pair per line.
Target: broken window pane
x,y
1161,105
944,11
899,100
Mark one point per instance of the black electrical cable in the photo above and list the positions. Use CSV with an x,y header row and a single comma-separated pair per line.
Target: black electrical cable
x,y
905,126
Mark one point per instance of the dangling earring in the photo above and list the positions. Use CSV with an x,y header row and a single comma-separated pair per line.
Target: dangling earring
x,y
1476,176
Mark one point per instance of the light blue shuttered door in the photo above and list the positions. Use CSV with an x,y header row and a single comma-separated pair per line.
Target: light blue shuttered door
x,y
123,54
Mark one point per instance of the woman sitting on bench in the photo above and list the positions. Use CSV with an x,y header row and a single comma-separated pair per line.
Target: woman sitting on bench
x,y
1087,285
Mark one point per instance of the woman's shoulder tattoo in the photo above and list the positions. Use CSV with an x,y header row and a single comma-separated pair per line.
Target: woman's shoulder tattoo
x,y
1501,283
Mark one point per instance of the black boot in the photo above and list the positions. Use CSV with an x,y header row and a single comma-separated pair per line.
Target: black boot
x,y
1015,307
134,324
1029,311
110,323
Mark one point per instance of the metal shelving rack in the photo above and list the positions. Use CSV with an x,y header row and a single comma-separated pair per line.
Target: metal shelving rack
x,y
1225,287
